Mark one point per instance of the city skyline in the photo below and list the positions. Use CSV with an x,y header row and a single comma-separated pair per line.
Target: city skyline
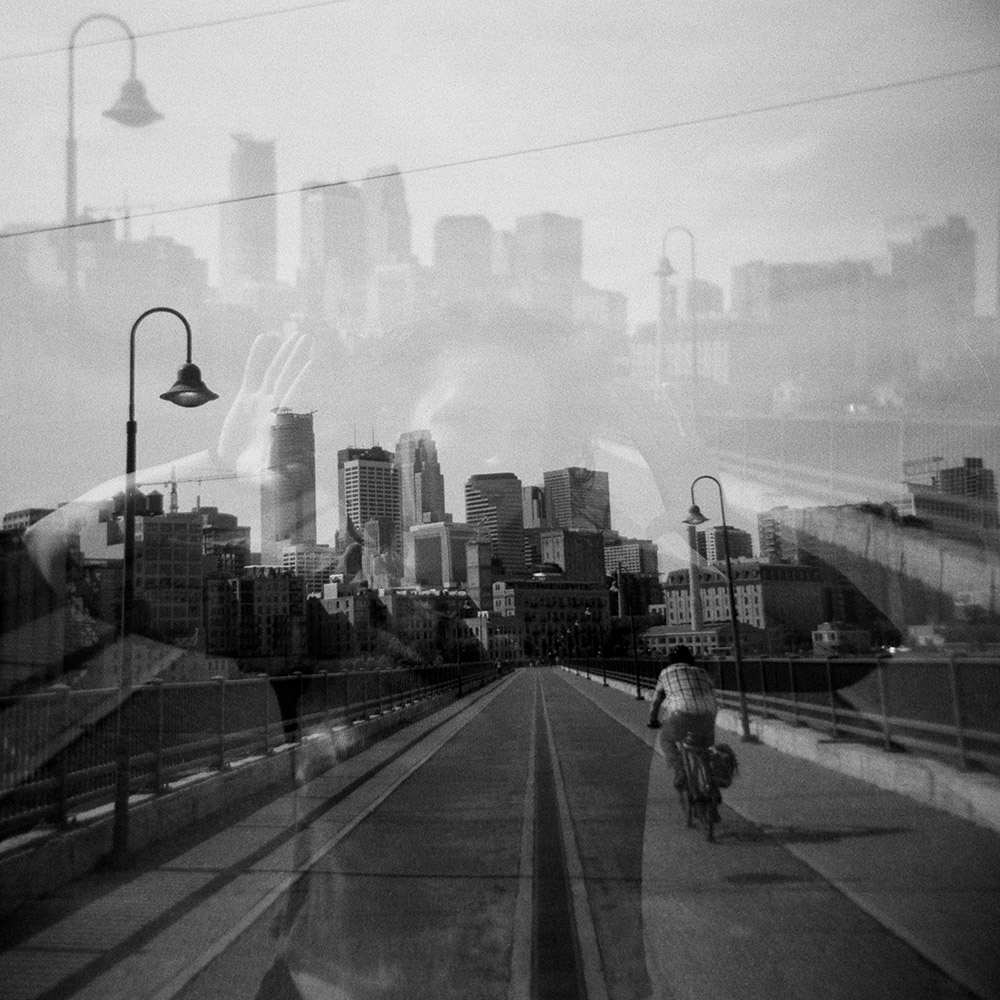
x,y
674,136
785,146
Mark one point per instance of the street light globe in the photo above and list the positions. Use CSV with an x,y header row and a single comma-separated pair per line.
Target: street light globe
x,y
695,516
132,107
189,390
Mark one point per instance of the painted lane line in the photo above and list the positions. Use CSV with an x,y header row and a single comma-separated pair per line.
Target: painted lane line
x,y
589,946
520,960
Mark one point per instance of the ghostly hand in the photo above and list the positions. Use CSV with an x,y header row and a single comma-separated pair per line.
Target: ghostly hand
x,y
276,366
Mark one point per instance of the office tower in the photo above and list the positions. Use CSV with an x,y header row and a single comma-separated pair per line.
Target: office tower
x,y
638,556
711,548
288,488
549,247
493,504
368,493
954,500
387,217
463,257
313,563
579,554
249,227
333,257
421,484
578,499
434,555
367,486
778,536
169,572
533,507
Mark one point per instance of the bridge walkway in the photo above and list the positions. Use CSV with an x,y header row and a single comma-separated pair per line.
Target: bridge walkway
x,y
522,843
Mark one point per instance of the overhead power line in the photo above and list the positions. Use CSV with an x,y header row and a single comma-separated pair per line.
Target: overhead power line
x,y
721,116
178,29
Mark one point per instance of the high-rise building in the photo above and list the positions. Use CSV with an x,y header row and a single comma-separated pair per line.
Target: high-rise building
x,y
578,499
169,572
387,217
288,488
312,562
367,486
463,257
248,237
333,259
955,500
711,547
549,247
493,503
434,555
579,554
533,503
778,537
421,484
638,556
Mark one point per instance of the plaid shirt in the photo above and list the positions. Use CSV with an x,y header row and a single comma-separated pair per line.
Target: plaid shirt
x,y
686,688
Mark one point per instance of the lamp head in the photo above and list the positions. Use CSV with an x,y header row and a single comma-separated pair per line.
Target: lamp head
x,y
189,390
695,516
665,270
132,107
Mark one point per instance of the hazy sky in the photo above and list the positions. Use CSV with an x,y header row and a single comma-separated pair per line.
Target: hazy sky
x,y
345,86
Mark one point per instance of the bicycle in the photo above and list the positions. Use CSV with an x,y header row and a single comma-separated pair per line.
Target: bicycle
x,y
700,797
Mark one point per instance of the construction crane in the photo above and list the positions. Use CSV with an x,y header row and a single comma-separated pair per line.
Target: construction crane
x,y
207,478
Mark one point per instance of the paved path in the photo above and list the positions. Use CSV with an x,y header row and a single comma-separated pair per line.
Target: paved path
x,y
521,843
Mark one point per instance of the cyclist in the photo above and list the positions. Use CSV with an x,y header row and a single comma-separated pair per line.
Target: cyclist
x,y
689,695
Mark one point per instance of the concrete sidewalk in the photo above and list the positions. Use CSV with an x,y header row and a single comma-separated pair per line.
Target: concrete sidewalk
x,y
145,932
926,875
970,795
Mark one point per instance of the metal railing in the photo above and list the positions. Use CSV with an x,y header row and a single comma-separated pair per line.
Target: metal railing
x,y
58,748
942,705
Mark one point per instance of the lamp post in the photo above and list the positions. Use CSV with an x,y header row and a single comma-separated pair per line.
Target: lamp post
x,y
131,109
695,517
188,391
664,271
618,587
589,615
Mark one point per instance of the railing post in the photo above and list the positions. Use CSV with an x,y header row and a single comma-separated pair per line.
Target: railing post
x,y
833,708
764,707
62,792
793,688
299,705
221,735
883,700
347,697
326,697
265,684
158,783
957,710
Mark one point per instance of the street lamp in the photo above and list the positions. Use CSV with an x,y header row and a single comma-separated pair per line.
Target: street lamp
x,y
131,109
618,588
467,609
664,271
589,615
188,391
695,517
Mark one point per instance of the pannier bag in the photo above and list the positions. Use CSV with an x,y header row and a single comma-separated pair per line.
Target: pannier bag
x,y
723,764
